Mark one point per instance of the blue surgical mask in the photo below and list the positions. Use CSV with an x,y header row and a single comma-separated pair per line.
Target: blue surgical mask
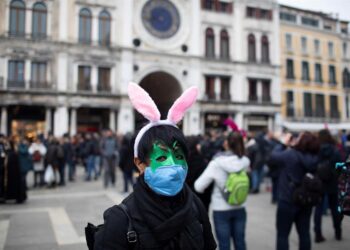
x,y
166,180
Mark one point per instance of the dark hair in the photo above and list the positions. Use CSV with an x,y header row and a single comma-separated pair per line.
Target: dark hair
x,y
308,143
235,142
325,137
163,133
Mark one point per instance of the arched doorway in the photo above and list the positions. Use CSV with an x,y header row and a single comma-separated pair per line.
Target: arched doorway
x,y
164,90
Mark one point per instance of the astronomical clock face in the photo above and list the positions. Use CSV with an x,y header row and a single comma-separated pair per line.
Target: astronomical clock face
x,y
161,18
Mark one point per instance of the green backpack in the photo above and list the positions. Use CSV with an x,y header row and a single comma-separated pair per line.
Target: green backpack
x,y
236,188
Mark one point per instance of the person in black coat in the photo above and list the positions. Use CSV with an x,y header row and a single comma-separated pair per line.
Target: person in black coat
x,y
14,184
167,217
197,164
328,155
126,162
295,162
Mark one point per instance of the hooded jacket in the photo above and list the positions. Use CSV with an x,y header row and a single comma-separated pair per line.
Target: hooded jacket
x,y
217,171
294,165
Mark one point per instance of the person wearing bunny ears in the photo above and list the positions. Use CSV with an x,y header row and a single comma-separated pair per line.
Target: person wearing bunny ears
x,y
161,212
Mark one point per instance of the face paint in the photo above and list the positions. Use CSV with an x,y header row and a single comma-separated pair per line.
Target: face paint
x,y
161,155
167,171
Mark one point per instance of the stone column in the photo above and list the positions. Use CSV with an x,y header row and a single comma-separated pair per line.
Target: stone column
x,y
270,125
4,120
73,121
217,87
63,15
61,121
27,74
126,120
259,90
94,79
94,28
48,120
112,119
192,122
239,120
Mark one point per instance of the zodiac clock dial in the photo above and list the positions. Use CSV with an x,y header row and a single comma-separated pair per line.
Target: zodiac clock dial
x,y
161,18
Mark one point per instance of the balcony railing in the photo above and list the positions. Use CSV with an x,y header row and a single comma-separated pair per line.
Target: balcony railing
x,y
40,85
84,87
103,88
16,84
298,116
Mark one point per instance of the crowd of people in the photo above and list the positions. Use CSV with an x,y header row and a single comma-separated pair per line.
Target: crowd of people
x,y
285,158
97,153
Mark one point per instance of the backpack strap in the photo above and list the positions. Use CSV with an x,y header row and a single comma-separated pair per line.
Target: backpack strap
x,y
131,235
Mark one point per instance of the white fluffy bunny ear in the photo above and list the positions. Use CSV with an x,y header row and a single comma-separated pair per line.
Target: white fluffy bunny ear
x,y
182,104
143,103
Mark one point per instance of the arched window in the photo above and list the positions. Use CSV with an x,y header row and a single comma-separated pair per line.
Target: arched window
x,y
104,23
265,57
85,18
39,20
224,45
251,48
17,18
346,78
209,43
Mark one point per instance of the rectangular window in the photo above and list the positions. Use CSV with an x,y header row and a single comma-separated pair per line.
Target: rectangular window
x,y
333,99
290,69
304,44
305,71
290,103
320,107
84,78
38,77
253,94
265,14
16,74
103,84
332,78
330,49
309,21
318,73
289,42
288,17
209,4
317,46
225,88
210,87
266,85
251,12
307,105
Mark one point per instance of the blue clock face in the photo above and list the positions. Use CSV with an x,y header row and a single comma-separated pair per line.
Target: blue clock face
x,y
161,18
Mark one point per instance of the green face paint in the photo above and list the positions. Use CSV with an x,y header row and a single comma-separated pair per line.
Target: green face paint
x,y
161,155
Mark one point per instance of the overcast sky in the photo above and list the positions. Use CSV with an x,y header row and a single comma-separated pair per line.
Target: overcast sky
x,y
342,7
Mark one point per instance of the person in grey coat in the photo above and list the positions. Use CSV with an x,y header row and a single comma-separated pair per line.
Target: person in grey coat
x,y
110,157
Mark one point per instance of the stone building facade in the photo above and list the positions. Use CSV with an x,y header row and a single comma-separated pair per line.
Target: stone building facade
x,y
65,65
314,70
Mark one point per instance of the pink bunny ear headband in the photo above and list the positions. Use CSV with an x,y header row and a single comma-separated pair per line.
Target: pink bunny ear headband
x,y
144,104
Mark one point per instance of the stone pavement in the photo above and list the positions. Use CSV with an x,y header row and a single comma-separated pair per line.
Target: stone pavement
x,y
54,219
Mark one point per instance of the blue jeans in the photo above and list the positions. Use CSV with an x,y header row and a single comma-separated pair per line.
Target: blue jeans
x,y
91,166
230,224
287,214
257,176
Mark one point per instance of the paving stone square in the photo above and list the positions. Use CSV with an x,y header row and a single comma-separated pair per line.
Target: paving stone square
x,y
54,219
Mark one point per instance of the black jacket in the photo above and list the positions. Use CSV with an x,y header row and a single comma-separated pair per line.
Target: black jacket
x,y
178,222
294,165
331,153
